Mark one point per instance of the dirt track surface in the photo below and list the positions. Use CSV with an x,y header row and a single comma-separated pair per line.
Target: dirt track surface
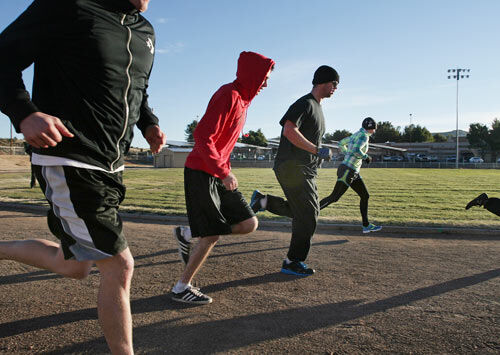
x,y
381,293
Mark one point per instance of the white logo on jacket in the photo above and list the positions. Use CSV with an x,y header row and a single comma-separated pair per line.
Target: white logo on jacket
x,y
149,43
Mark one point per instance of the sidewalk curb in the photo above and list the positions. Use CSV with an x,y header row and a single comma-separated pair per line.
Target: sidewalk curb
x,y
322,227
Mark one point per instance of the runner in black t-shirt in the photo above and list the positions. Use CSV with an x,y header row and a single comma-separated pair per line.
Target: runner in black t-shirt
x,y
296,163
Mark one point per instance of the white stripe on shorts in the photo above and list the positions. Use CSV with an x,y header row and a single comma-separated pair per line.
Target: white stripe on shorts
x,y
58,193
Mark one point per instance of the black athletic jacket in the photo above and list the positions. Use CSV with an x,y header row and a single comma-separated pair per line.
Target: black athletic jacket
x,y
92,63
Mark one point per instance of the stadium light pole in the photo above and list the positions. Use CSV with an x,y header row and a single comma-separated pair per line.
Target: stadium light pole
x,y
456,74
409,130
11,138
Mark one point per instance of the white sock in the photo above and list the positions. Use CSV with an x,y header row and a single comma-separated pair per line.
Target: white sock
x,y
186,233
263,202
180,287
287,261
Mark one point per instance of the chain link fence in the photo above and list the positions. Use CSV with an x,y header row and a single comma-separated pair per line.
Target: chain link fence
x,y
12,150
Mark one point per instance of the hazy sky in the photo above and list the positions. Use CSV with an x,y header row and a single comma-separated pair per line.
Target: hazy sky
x,y
392,57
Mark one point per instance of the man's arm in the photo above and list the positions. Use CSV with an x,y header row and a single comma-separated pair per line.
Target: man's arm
x,y
210,128
155,137
292,133
41,130
20,44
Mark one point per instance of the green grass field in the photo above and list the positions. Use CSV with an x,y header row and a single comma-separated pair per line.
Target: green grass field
x,y
427,197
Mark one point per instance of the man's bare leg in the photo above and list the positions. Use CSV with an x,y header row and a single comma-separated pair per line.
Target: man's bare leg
x,y
113,303
205,245
44,254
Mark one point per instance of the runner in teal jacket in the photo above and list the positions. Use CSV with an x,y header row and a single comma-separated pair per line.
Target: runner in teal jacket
x,y
355,149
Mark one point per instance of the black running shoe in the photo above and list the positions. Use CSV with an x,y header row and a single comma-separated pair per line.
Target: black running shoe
x,y
255,201
183,246
478,201
297,268
191,295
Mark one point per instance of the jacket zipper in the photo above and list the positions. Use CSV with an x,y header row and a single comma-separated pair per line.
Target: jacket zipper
x,y
125,98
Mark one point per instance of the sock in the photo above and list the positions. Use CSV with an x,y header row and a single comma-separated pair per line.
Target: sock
x,y
263,202
180,287
287,261
186,233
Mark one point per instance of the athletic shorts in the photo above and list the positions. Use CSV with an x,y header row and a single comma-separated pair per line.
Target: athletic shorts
x,y
83,212
347,175
212,209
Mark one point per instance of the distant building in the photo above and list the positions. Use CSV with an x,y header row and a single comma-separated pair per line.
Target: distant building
x,y
171,157
441,150
176,152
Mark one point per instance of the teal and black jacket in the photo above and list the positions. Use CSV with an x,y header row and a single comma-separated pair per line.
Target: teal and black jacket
x,y
92,61
355,147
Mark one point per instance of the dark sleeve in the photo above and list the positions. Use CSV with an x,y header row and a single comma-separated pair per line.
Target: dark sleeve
x,y
296,113
20,44
147,117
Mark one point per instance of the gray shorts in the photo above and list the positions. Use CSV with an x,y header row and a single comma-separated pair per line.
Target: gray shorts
x,y
83,212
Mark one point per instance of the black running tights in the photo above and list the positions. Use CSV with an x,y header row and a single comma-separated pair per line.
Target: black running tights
x,y
340,188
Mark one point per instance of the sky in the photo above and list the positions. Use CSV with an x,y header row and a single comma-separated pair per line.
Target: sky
x,y
392,57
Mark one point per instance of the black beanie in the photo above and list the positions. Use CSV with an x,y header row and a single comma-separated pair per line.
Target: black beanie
x,y
325,74
369,123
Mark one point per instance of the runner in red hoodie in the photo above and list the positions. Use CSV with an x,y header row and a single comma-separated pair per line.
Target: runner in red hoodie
x,y
214,205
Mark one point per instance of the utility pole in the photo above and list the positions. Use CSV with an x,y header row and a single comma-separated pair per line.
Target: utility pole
x,y
455,74
11,138
410,131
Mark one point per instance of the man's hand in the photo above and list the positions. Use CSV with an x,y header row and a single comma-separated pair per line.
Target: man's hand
x,y
230,182
155,137
325,154
368,159
41,130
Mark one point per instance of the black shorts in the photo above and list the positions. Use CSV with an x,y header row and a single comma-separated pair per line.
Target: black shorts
x,y
83,211
347,175
212,209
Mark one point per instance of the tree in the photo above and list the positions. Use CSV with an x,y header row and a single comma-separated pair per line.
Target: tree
x,y
336,136
189,130
417,133
255,138
478,137
438,137
494,137
386,132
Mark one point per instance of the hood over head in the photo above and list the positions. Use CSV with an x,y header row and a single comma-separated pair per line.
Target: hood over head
x,y
252,70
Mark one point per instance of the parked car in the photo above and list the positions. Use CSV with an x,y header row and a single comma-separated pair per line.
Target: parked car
x,y
386,158
476,160
397,158
451,159
432,158
498,160
421,158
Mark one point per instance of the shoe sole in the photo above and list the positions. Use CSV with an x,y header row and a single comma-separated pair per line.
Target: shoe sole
x,y
191,302
477,201
290,272
253,202
369,231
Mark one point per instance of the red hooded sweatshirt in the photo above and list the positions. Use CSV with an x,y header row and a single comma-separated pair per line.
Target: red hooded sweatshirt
x,y
219,129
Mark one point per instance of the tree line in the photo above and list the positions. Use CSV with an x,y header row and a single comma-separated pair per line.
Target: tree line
x,y
386,132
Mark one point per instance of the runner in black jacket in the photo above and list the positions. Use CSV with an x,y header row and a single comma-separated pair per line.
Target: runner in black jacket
x,y
92,63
